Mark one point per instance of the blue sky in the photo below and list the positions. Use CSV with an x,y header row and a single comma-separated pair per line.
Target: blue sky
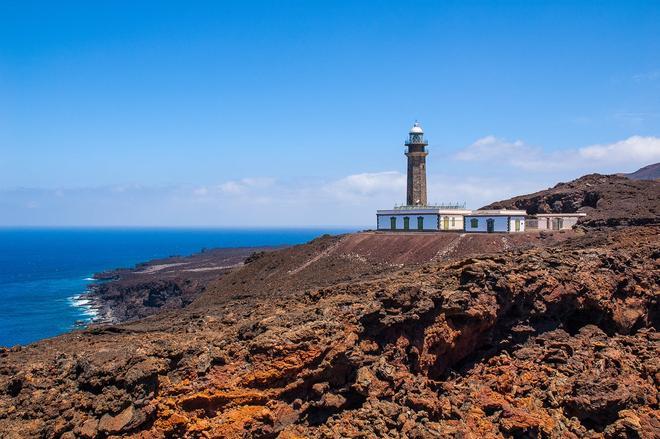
x,y
294,112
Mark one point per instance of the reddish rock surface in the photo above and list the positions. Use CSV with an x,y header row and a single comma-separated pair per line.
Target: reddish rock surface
x,y
554,341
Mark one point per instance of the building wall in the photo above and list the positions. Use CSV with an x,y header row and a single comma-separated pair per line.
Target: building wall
x,y
454,222
430,221
549,223
512,223
501,223
416,190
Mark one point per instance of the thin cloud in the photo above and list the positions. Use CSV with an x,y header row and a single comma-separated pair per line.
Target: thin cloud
x,y
497,150
359,186
488,170
653,75
490,147
633,151
245,185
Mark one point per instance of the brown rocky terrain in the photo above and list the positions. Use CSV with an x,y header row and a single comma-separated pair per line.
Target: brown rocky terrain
x,y
126,294
650,172
556,341
377,335
608,200
171,283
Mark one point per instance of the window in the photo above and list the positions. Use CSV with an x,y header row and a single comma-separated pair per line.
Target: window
x,y
453,221
490,225
393,223
420,223
406,223
474,223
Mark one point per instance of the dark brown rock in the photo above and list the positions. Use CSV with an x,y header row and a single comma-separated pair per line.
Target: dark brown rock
x,y
608,200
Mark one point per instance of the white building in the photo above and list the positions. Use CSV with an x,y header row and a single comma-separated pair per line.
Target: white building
x,y
489,221
558,221
421,218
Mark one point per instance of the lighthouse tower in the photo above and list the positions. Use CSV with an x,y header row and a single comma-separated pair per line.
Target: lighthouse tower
x,y
416,152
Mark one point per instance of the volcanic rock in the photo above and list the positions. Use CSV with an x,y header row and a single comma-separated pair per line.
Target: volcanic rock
x,y
608,200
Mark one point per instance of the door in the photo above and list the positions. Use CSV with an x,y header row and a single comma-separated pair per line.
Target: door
x,y
490,225
393,223
556,224
420,223
445,223
517,225
406,223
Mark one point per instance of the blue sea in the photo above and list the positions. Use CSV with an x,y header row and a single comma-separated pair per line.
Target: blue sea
x,y
43,271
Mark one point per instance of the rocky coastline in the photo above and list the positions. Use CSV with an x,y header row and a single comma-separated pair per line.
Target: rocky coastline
x,y
125,294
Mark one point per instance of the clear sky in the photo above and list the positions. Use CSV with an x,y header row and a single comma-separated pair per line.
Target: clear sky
x,y
258,113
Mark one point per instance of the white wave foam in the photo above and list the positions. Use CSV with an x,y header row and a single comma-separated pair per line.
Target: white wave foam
x,y
89,279
85,306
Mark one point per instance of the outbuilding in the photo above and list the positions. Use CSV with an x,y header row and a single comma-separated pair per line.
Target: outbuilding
x,y
489,221
558,221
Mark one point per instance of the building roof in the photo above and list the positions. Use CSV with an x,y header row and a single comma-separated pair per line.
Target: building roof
x,y
448,206
423,210
416,129
555,215
501,212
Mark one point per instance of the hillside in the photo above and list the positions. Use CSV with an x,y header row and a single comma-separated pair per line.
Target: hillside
x,y
170,283
356,257
650,172
126,294
608,200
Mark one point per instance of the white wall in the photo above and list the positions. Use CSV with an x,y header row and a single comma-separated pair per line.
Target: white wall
x,y
546,223
502,223
430,221
512,223
456,225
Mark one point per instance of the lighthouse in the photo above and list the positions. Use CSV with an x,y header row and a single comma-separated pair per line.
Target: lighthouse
x,y
416,152
418,215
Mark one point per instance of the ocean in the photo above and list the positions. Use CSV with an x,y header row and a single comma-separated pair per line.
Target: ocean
x,y
43,271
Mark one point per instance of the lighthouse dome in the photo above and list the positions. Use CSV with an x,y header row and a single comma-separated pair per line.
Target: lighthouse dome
x,y
416,129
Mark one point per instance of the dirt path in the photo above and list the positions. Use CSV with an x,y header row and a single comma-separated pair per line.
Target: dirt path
x,y
320,255
448,249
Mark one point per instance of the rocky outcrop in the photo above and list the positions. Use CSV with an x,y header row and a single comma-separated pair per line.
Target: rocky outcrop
x,y
555,341
126,294
608,200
